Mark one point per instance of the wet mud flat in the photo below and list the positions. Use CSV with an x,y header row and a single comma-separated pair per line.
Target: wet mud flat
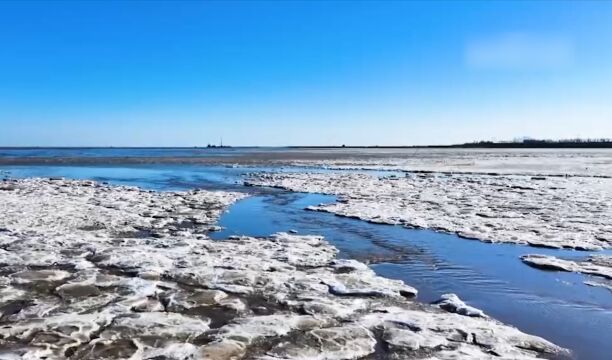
x,y
95,271
549,162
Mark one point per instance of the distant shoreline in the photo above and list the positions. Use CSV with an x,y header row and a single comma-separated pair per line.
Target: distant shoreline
x,y
319,147
471,146
524,144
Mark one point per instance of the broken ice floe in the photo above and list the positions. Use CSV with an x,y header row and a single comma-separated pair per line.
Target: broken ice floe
x,y
99,272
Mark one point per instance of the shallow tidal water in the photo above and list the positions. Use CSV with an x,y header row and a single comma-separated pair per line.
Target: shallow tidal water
x,y
554,305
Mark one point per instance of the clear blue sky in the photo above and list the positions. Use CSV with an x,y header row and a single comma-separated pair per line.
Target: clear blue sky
x,y
297,73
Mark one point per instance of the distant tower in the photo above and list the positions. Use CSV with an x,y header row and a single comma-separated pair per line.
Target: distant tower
x,y
221,141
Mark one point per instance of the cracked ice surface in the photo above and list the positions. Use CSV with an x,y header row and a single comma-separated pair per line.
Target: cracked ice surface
x,y
98,272
573,212
597,265
553,162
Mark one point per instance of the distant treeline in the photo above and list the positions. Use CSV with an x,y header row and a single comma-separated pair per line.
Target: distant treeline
x,y
519,144
537,143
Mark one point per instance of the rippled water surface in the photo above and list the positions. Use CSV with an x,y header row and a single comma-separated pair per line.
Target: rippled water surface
x,y
554,305
125,152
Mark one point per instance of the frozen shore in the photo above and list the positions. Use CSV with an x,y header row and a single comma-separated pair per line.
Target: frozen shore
x,y
535,162
595,265
94,271
599,267
532,162
556,212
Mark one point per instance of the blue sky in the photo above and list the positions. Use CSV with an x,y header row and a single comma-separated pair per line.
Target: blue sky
x,y
302,73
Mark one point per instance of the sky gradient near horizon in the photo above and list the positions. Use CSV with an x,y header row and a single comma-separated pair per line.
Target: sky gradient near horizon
x,y
302,73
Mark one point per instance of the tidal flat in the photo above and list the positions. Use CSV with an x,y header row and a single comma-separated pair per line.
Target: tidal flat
x,y
158,276
93,271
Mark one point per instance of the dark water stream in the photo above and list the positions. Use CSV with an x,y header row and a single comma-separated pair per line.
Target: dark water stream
x,y
554,305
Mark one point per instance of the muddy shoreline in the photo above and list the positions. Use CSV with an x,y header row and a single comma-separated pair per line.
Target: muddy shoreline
x,y
536,163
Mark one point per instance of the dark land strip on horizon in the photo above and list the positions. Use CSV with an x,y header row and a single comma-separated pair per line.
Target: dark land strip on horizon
x,y
520,144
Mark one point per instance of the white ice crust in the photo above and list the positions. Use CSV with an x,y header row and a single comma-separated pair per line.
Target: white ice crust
x,y
597,265
556,212
548,162
98,272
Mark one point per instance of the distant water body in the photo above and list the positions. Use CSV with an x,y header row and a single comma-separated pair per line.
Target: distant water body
x,y
203,152
90,152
